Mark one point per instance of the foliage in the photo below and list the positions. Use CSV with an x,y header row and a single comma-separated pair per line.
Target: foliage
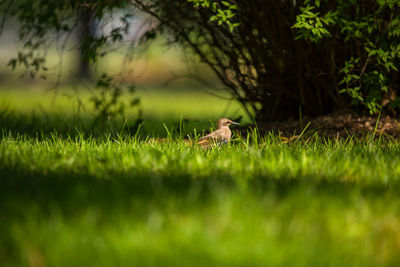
x,y
108,101
275,57
224,11
312,27
40,20
286,54
371,72
44,24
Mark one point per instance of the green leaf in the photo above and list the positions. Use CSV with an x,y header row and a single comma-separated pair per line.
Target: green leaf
x,y
225,3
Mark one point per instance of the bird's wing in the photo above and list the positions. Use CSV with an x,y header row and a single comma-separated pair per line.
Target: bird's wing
x,y
210,139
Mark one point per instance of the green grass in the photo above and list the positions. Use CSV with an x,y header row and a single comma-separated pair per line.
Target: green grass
x,y
65,111
120,199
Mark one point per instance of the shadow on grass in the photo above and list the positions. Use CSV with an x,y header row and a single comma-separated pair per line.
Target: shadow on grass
x,y
71,192
41,125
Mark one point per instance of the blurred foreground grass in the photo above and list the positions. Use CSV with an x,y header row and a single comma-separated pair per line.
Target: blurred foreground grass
x,y
118,200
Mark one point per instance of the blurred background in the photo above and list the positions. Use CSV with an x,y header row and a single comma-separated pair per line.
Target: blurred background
x,y
166,85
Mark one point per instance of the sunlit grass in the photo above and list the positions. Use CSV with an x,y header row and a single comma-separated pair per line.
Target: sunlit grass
x,y
76,194
127,202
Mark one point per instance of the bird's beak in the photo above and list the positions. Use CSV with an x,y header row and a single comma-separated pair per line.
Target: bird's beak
x,y
235,123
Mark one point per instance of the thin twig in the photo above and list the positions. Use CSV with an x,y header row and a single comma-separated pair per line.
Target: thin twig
x,y
3,21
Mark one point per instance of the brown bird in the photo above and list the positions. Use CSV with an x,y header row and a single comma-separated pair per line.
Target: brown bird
x,y
220,136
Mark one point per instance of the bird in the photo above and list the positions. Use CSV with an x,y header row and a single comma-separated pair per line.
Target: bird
x,y
221,136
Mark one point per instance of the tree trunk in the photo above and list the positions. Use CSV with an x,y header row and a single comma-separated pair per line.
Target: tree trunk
x,y
86,31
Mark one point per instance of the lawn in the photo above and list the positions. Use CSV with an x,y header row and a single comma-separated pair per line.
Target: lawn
x,y
66,110
116,198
